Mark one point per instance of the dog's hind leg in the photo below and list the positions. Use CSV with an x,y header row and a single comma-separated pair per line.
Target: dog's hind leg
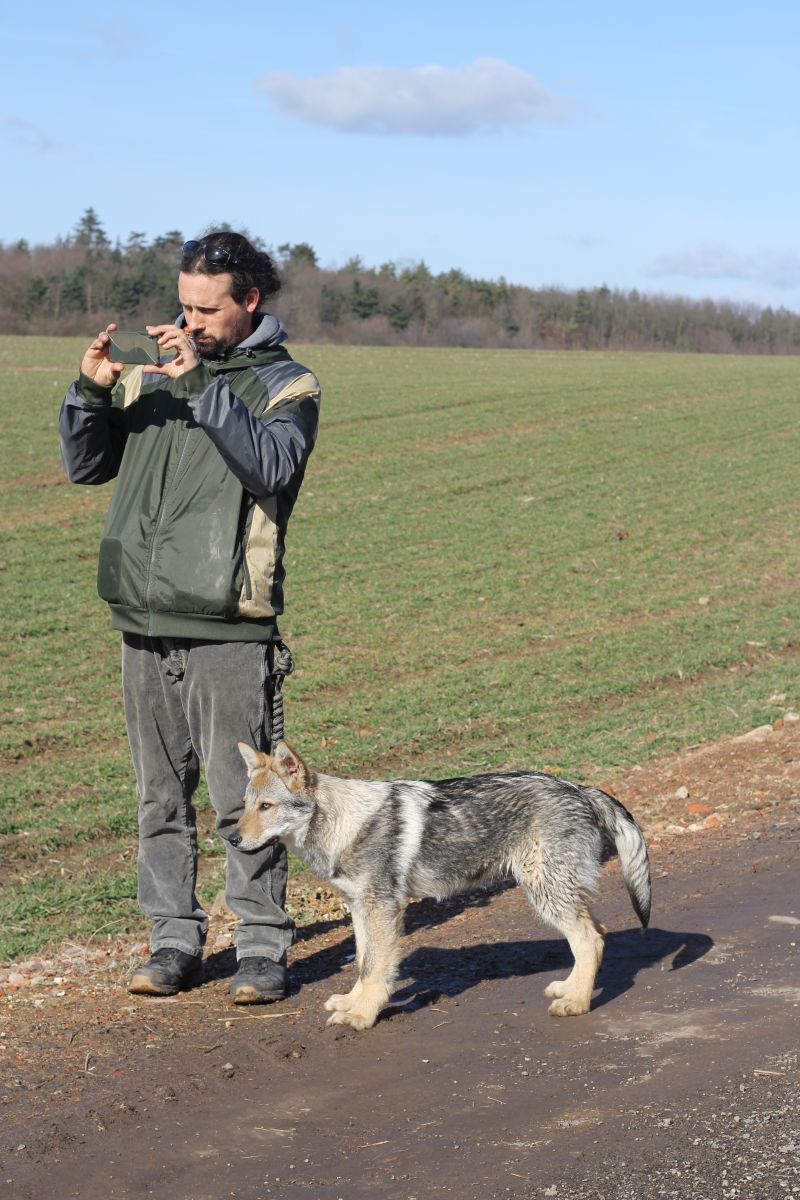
x,y
558,902
586,936
377,929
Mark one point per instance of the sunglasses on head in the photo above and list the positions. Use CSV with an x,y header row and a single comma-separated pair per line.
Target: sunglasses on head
x,y
214,255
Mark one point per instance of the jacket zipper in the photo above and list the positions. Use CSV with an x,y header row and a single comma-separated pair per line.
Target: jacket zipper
x,y
159,518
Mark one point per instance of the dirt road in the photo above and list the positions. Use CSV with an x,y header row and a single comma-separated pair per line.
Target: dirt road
x,y
682,1081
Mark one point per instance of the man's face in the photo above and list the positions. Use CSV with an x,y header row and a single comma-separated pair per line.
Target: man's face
x,y
213,318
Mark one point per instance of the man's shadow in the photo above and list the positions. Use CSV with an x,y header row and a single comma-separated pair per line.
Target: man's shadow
x,y
430,973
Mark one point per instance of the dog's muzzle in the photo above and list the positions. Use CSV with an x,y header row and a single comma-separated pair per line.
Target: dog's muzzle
x,y
235,840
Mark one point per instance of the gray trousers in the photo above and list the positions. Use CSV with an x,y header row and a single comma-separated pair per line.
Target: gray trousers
x,y
188,702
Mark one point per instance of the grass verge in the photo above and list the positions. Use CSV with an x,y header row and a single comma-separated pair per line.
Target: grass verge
x,y
499,559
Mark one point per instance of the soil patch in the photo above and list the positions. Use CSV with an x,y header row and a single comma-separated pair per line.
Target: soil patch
x,y
81,1060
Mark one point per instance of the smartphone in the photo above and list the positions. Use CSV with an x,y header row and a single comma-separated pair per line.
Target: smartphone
x,y
127,347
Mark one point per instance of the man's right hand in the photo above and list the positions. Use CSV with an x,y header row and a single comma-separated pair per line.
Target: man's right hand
x,y
97,364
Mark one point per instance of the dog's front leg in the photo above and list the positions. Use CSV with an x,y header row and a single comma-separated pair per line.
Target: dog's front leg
x,y
342,1001
377,930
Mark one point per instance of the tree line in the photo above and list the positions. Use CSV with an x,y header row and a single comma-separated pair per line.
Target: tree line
x,y
83,281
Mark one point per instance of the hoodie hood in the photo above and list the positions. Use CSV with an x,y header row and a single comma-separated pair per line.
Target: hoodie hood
x,y
268,332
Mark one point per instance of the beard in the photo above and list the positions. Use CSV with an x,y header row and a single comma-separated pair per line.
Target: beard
x,y
214,348
210,347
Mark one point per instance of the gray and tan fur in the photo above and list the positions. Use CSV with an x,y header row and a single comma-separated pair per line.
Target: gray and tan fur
x,y
382,844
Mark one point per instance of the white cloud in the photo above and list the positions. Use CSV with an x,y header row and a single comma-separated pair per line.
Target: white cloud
x,y
116,39
778,268
483,95
27,134
581,241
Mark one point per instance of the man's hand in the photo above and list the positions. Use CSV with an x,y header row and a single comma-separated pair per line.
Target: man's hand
x,y
170,337
97,364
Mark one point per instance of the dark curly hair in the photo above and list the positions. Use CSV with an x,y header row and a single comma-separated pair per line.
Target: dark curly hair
x,y
251,268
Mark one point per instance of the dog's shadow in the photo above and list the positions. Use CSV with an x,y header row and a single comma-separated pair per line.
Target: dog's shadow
x,y
431,973
327,962
439,972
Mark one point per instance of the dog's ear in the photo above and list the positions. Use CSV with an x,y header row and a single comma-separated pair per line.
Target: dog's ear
x,y
291,768
254,759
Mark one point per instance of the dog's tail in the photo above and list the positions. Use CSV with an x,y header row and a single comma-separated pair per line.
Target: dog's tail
x,y
621,829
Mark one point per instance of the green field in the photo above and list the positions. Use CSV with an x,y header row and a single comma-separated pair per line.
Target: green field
x,y
499,558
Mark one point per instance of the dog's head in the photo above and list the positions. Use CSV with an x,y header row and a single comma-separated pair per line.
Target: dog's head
x,y
279,801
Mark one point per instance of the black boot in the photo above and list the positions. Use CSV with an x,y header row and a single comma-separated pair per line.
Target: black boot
x,y
258,981
166,972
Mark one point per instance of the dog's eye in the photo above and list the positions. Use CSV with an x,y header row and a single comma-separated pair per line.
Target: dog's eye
x,y
264,806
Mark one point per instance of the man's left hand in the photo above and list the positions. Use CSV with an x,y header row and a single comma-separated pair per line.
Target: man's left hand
x,y
171,338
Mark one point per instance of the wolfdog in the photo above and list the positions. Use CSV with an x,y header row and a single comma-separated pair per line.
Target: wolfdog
x,y
381,844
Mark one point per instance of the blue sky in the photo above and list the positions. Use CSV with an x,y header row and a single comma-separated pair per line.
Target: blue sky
x,y
578,143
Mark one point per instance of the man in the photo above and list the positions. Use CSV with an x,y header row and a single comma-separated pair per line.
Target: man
x,y
209,452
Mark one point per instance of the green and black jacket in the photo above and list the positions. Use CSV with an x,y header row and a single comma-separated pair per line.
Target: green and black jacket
x,y
208,468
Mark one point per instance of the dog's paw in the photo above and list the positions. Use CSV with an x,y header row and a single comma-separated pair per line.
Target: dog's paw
x,y
338,1002
566,1006
556,989
355,1018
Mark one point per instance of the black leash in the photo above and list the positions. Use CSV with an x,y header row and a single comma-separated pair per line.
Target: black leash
x,y
283,665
